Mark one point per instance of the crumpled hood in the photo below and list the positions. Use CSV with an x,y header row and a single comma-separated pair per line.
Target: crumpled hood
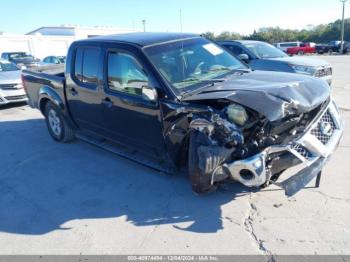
x,y
302,61
10,77
273,94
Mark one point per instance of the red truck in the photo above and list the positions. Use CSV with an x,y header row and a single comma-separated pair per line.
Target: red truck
x,y
301,49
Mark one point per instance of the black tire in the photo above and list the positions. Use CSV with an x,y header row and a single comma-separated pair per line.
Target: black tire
x,y
57,124
300,53
201,183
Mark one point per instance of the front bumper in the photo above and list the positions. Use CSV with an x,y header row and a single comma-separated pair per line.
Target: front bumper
x,y
12,96
311,152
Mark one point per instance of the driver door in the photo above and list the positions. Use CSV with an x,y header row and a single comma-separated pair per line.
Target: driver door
x,y
128,117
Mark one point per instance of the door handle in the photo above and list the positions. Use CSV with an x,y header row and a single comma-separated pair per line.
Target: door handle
x,y
107,102
73,92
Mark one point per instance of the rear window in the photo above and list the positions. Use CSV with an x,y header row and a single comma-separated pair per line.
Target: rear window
x,y
86,65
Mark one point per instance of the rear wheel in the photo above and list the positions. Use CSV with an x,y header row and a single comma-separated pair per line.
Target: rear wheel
x,y
57,125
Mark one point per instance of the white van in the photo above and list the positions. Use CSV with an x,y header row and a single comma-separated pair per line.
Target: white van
x,y
285,45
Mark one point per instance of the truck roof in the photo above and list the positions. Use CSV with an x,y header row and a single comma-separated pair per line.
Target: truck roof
x,y
142,39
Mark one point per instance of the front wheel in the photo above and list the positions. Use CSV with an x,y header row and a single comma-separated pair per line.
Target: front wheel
x,y
57,125
201,182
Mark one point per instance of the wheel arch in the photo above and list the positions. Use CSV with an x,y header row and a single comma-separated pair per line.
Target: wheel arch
x,y
47,94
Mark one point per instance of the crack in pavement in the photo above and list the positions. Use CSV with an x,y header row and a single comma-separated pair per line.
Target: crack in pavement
x,y
331,197
249,227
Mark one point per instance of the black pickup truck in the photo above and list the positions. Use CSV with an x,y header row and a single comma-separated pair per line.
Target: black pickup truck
x,y
333,47
187,104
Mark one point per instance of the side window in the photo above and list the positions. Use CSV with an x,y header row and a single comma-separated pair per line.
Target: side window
x,y
235,49
78,70
90,65
86,65
125,74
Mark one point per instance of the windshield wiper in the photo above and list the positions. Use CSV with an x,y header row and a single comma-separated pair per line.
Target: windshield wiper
x,y
198,90
193,79
243,70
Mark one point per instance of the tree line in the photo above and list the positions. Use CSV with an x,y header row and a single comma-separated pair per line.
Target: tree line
x,y
319,34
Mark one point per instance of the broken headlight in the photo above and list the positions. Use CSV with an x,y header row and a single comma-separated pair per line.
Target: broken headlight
x,y
237,114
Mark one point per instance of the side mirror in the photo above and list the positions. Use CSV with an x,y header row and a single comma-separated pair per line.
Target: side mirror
x,y
149,93
244,58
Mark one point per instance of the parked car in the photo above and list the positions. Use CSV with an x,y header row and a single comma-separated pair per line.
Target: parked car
x,y
322,48
188,103
21,59
11,88
303,48
263,56
285,45
54,59
333,47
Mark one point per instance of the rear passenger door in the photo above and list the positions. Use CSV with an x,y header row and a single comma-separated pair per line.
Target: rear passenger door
x,y
129,117
83,87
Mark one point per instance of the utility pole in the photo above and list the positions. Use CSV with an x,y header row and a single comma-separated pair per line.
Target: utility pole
x,y
144,25
181,20
342,28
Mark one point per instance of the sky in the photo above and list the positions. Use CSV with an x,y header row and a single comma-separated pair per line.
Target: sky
x,y
198,16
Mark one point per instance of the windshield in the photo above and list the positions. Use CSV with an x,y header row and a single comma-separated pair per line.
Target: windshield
x,y
7,67
20,56
189,63
264,50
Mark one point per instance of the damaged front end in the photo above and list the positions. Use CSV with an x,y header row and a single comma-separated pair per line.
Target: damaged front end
x,y
256,152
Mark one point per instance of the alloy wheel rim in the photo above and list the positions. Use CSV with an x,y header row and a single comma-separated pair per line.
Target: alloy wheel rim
x,y
55,123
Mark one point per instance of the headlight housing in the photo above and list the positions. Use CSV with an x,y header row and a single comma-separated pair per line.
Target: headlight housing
x,y
237,114
306,70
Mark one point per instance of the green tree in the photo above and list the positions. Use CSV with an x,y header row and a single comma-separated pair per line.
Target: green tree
x,y
319,34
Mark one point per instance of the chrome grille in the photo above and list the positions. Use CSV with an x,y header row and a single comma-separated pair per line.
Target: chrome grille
x,y
325,128
323,72
13,98
302,151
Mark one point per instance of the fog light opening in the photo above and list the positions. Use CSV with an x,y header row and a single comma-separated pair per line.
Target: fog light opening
x,y
246,174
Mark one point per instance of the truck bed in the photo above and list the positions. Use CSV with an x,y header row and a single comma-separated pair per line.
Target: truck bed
x,y
57,70
44,79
